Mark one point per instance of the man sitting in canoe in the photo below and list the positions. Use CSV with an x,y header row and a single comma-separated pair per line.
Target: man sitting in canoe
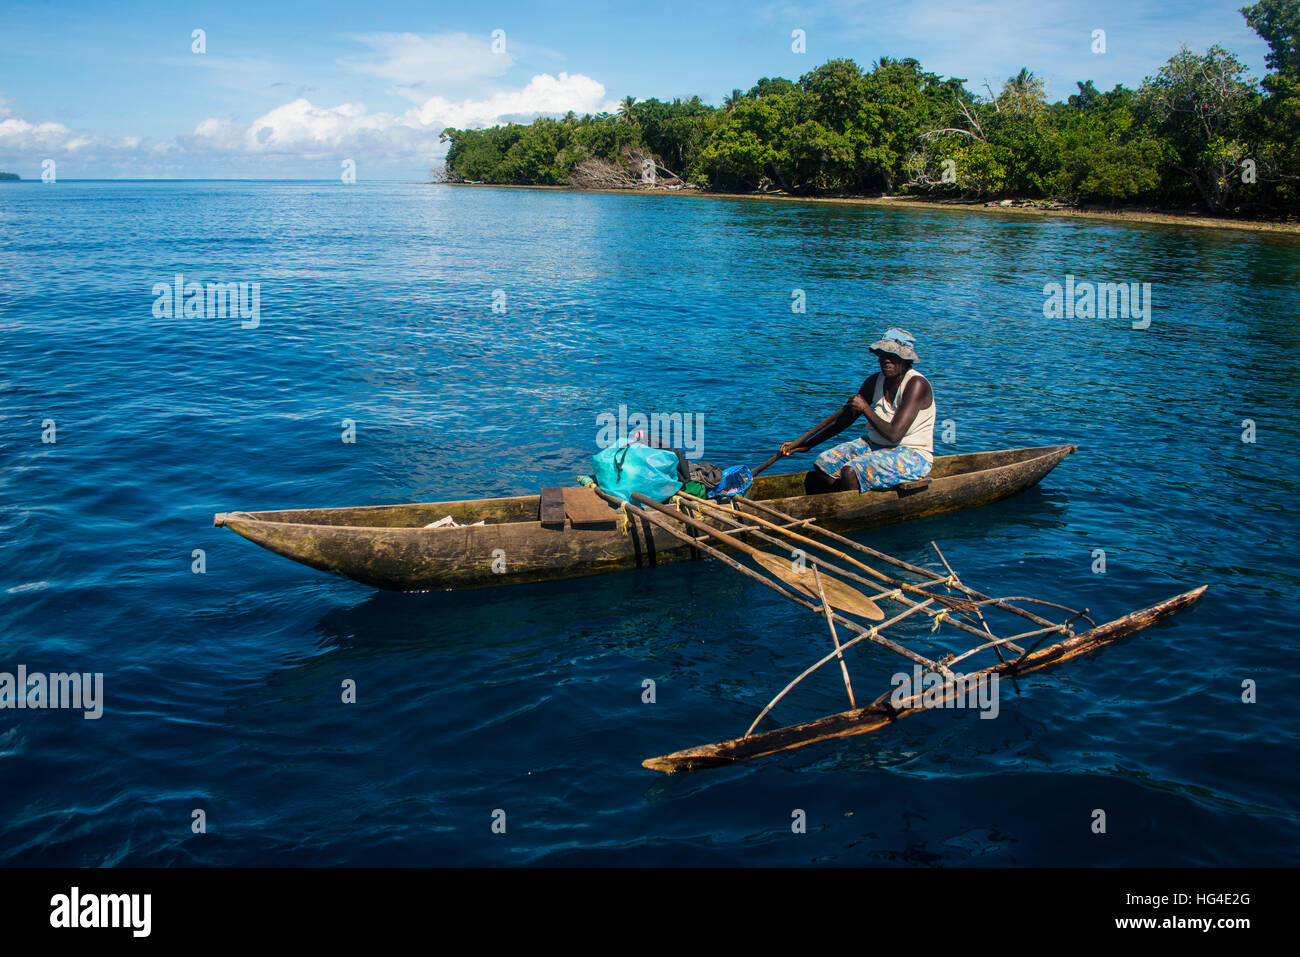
x,y
899,445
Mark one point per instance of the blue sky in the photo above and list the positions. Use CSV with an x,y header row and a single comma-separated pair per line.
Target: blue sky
x,y
290,90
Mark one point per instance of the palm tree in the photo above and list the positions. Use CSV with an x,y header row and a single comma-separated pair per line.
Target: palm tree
x,y
1024,91
625,108
729,103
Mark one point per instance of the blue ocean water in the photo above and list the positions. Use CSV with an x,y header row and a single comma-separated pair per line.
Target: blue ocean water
x,y
222,689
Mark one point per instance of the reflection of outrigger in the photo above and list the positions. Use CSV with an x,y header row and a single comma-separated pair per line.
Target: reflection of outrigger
x,y
944,599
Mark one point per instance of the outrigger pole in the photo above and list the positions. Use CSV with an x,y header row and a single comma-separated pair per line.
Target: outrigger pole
x,y
666,525
881,712
766,524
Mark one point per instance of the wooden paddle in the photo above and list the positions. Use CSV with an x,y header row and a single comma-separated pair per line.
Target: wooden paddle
x,y
838,594
829,419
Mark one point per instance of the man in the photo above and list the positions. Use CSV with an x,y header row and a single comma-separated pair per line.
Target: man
x,y
899,445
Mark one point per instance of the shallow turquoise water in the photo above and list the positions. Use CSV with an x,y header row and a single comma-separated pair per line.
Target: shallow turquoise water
x,y
223,689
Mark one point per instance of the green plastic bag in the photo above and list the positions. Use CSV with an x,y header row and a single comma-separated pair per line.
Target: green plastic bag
x,y
632,467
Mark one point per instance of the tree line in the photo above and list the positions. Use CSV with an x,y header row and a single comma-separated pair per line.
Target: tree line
x,y
1200,131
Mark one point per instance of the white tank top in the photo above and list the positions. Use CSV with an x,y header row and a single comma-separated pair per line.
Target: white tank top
x,y
920,435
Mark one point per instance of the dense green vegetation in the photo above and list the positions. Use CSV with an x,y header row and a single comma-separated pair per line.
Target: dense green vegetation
x,y
1201,130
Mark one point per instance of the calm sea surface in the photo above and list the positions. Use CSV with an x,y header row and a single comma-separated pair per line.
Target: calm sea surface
x,y
223,689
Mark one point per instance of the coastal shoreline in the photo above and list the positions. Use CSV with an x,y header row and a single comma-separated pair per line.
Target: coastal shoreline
x,y
904,202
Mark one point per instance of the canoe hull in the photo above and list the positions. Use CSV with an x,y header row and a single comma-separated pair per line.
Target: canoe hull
x,y
388,547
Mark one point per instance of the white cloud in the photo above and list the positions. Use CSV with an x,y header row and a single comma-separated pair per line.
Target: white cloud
x,y
301,130
300,126
20,136
418,64
543,94
296,125
445,79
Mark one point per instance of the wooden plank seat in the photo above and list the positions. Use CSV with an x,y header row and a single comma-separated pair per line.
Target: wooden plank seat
x,y
586,509
550,507
582,507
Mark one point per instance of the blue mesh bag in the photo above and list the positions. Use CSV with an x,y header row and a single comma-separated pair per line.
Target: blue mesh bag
x,y
735,481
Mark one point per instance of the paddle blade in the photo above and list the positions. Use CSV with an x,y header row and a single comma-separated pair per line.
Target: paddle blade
x,y
839,596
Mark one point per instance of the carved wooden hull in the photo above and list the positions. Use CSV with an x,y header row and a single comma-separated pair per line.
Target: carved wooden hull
x,y
387,546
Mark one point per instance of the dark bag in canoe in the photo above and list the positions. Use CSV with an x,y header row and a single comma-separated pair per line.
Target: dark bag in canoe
x,y
707,474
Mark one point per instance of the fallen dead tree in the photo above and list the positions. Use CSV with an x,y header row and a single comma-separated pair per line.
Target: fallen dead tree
x,y
635,169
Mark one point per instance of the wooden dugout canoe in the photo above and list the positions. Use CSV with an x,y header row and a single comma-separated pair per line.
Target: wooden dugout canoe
x,y
387,546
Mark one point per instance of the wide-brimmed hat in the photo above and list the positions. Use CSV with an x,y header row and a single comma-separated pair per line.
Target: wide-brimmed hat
x,y
898,342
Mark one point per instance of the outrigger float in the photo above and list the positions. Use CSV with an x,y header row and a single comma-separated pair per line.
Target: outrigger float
x,y
944,599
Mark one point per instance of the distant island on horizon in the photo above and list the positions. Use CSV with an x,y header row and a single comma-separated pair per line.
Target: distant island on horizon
x,y
9,176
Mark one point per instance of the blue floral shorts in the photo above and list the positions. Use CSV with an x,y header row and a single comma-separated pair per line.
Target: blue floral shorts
x,y
875,466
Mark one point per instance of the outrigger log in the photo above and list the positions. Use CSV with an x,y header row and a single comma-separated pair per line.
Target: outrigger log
x,y
944,599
